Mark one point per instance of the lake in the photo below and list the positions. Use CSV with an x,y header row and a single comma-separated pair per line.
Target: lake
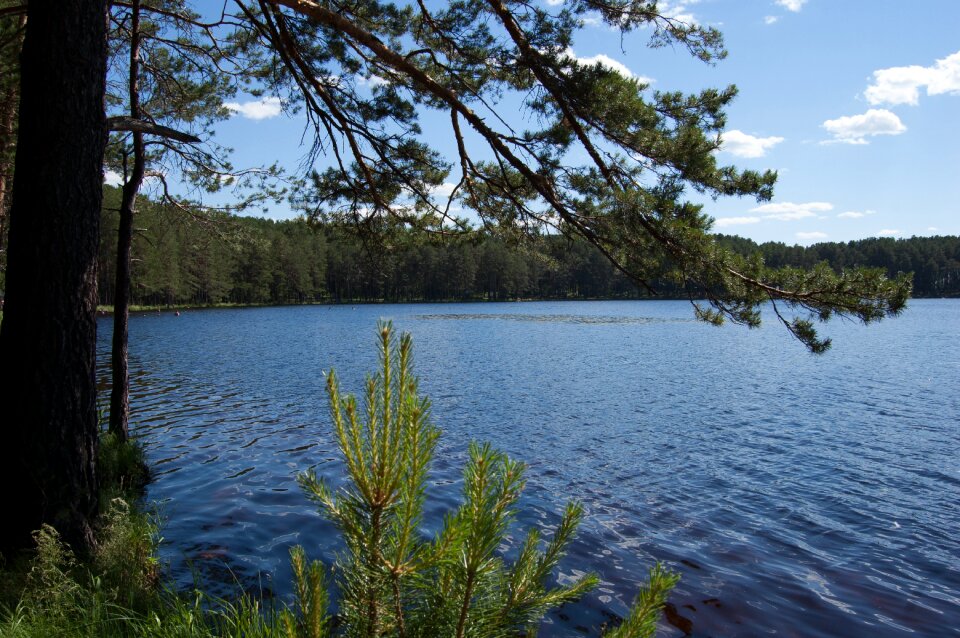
x,y
797,495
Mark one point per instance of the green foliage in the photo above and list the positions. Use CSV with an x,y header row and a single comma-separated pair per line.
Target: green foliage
x,y
934,261
208,258
125,557
51,585
85,598
309,617
121,466
395,582
254,261
117,595
642,620
60,597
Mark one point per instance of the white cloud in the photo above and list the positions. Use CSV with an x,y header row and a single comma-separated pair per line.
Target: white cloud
x,y
788,211
679,10
684,16
816,234
735,221
771,19
261,109
792,5
372,81
889,232
946,78
779,211
855,214
112,178
608,63
854,129
744,145
554,3
443,190
897,85
902,84
932,229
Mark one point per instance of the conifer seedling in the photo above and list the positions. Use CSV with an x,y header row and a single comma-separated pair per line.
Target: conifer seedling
x,y
392,580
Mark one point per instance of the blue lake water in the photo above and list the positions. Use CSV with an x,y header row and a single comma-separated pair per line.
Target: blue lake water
x,y
797,495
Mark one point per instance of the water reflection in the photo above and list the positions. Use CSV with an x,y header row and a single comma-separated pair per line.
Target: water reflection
x,y
574,319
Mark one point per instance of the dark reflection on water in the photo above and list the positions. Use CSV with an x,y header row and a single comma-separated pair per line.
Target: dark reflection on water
x,y
797,495
552,318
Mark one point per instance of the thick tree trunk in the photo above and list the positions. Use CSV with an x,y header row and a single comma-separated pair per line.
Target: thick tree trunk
x,y
8,138
8,111
48,337
120,391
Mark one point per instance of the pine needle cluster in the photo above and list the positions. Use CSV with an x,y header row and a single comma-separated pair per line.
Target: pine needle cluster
x,y
392,580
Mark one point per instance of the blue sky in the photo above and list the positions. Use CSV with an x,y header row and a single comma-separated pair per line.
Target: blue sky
x,y
855,102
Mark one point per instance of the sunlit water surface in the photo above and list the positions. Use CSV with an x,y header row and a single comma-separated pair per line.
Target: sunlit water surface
x,y
796,495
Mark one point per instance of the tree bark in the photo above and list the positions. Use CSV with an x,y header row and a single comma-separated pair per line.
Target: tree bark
x,y
48,336
120,391
8,138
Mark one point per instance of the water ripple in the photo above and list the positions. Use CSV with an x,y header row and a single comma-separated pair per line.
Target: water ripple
x,y
796,495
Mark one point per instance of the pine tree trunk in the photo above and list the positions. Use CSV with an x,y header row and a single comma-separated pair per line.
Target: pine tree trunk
x,y
48,337
8,112
8,139
120,391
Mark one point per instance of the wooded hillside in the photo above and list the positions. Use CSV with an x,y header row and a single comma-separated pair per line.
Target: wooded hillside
x,y
205,258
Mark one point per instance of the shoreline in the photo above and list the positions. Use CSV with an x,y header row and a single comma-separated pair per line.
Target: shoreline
x,y
107,310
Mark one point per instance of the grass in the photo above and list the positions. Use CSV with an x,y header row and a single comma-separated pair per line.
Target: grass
x,y
118,591
117,595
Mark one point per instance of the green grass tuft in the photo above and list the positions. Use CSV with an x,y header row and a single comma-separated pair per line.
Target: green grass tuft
x,y
122,468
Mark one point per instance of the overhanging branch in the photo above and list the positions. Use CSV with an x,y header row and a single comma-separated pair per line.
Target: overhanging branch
x,y
127,123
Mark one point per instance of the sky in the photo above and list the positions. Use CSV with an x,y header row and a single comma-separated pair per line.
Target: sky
x,y
856,104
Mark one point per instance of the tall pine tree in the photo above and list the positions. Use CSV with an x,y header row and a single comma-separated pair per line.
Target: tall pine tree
x,y
48,336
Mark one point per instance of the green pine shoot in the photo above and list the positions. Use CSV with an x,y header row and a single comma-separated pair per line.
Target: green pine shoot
x,y
395,582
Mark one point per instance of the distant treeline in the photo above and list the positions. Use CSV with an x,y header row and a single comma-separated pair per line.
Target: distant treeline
x,y
181,258
934,261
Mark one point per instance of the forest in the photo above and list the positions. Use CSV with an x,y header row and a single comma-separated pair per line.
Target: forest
x,y
203,259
